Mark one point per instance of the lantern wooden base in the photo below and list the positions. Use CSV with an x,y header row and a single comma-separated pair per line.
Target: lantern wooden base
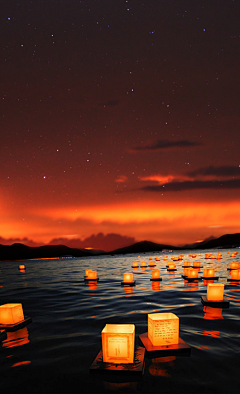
x,y
232,269
217,304
173,269
156,279
191,279
16,326
136,368
90,280
233,280
3,335
210,277
128,283
180,349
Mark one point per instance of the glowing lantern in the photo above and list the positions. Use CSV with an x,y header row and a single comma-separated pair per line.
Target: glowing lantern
x,y
91,275
163,329
143,264
152,263
171,266
150,258
235,274
193,273
208,272
156,275
157,258
196,264
118,343
135,264
234,266
215,292
186,272
21,267
11,314
127,277
187,264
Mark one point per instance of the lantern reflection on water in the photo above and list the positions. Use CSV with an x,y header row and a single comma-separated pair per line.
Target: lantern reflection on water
x,y
118,343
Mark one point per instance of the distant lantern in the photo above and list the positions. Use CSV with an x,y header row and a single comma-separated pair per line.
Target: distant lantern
x,y
215,292
91,275
157,259
135,264
186,271
208,272
11,314
21,267
118,343
163,329
193,273
143,264
171,267
156,275
234,266
196,264
235,274
150,258
186,264
128,277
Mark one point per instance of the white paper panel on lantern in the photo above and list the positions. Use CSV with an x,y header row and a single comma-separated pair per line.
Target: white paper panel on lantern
x,y
118,343
11,314
163,329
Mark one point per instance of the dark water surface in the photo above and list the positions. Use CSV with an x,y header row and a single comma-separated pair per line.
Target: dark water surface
x,y
53,354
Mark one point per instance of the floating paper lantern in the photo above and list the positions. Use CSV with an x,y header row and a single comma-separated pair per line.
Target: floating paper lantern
x,y
11,314
235,274
208,272
143,264
215,292
128,277
157,258
21,267
91,275
196,264
163,329
156,274
193,273
234,266
118,343
135,264
186,271
171,266
186,264
152,263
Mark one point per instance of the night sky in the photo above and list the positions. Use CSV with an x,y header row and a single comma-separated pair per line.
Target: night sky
x,y
119,121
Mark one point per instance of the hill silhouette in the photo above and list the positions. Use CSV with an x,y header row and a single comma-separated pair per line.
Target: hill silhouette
x,y
19,251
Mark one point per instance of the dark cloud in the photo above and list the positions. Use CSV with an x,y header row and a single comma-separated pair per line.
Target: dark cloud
x,y
165,144
106,242
222,171
193,185
11,241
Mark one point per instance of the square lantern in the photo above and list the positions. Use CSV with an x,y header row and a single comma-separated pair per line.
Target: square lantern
x,y
235,275
208,273
192,273
156,275
163,329
196,264
11,314
118,343
135,264
91,275
187,264
215,292
143,264
171,267
234,266
128,279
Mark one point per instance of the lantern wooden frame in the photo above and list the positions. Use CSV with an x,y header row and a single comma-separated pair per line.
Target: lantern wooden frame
x,y
13,324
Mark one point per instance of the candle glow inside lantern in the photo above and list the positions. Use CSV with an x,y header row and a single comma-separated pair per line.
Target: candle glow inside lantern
x,y
143,264
118,343
187,264
171,266
192,273
196,264
163,329
208,272
11,314
21,267
156,274
215,292
135,264
234,266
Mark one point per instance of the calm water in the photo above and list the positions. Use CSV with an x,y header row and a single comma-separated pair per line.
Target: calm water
x,y
53,354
